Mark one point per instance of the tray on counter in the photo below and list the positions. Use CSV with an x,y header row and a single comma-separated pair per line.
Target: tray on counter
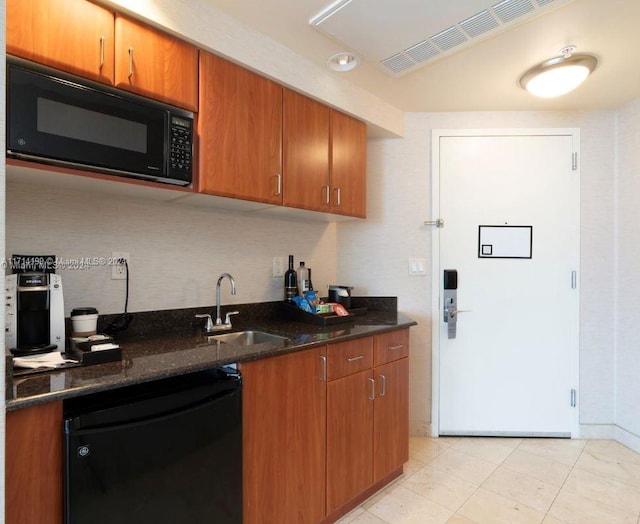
x,y
295,313
83,351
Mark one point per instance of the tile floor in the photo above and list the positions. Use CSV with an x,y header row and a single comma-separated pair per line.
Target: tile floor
x,y
466,480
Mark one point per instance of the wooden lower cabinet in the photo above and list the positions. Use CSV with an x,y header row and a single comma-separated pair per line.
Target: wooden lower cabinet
x,y
33,465
284,438
391,418
367,418
349,438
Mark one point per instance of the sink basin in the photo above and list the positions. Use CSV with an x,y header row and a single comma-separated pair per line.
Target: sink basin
x,y
247,338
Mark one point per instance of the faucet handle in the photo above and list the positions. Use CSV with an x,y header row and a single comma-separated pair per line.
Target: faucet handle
x,y
227,320
209,325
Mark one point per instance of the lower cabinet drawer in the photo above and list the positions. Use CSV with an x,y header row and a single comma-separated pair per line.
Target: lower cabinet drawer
x,y
390,346
352,356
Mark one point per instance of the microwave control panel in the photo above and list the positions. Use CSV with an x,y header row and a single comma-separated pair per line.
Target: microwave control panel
x,y
181,147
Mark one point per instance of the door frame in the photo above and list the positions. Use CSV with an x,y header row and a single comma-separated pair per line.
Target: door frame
x,y
436,293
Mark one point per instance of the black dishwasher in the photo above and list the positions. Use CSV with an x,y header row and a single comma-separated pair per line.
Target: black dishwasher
x,y
168,451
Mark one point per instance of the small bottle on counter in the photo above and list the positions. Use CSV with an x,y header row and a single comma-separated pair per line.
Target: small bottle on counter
x,y
310,283
303,279
290,282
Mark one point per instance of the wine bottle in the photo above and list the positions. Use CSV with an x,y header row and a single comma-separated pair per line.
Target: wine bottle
x,y
290,281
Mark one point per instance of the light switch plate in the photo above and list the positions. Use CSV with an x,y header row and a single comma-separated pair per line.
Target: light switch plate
x,y
417,266
278,267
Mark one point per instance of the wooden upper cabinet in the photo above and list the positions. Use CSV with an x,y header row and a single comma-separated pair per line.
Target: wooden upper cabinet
x,y
240,129
72,35
348,165
306,152
155,64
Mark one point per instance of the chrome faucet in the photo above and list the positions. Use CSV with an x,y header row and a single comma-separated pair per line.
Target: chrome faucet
x,y
210,326
227,321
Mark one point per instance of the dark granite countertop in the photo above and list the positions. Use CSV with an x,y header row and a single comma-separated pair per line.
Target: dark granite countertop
x,y
162,353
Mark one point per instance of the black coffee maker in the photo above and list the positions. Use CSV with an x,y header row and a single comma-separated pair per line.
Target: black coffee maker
x,y
35,313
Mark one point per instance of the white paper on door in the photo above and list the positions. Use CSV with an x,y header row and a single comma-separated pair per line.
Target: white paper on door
x,y
505,241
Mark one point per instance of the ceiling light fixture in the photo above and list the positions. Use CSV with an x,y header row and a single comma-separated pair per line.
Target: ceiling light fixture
x,y
558,75
343,61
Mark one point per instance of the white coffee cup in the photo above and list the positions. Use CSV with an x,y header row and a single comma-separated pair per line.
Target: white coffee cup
x,y
84,321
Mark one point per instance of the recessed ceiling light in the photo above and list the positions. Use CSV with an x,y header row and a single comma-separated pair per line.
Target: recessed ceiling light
x,y
343,61
559,75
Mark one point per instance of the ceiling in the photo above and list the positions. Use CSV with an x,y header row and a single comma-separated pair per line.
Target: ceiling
x,y
481,73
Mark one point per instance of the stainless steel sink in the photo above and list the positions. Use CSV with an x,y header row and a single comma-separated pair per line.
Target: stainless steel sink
x,y
247,338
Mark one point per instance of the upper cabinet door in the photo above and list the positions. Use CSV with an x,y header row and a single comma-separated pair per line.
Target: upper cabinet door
x,y
240,129
348,165
72,35
306,153
154,64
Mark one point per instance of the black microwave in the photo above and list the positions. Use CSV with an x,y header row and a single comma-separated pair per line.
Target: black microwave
x,y
59,119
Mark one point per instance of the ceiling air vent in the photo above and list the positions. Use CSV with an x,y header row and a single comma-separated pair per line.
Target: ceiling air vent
x,y
449,38
422,51
508,10
478,24
543,2
397,63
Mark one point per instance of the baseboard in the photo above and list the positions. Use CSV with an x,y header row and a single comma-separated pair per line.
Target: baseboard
x,y
627,438
597,431
420,429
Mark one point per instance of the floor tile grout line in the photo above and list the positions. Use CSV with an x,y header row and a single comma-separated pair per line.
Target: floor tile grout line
x,y
608,477
561,489
524,475
563,484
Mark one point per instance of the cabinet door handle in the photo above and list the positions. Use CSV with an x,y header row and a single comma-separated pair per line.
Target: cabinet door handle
x,y
324,368
373,389
278,184
399,346
384,386
338,192
130,62
353,359
327,192
102,41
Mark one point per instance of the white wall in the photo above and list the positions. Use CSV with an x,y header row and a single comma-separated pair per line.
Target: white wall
x,y
176,252
627,414
399,200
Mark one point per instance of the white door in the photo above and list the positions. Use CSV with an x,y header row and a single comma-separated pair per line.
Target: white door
x,y
510,205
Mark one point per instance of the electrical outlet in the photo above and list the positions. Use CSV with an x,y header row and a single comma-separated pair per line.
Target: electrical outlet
x,y
119,271
278,267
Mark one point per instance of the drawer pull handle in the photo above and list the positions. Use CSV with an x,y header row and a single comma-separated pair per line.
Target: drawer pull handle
x,y
324,368
373,389
384,385
398,346
353,359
